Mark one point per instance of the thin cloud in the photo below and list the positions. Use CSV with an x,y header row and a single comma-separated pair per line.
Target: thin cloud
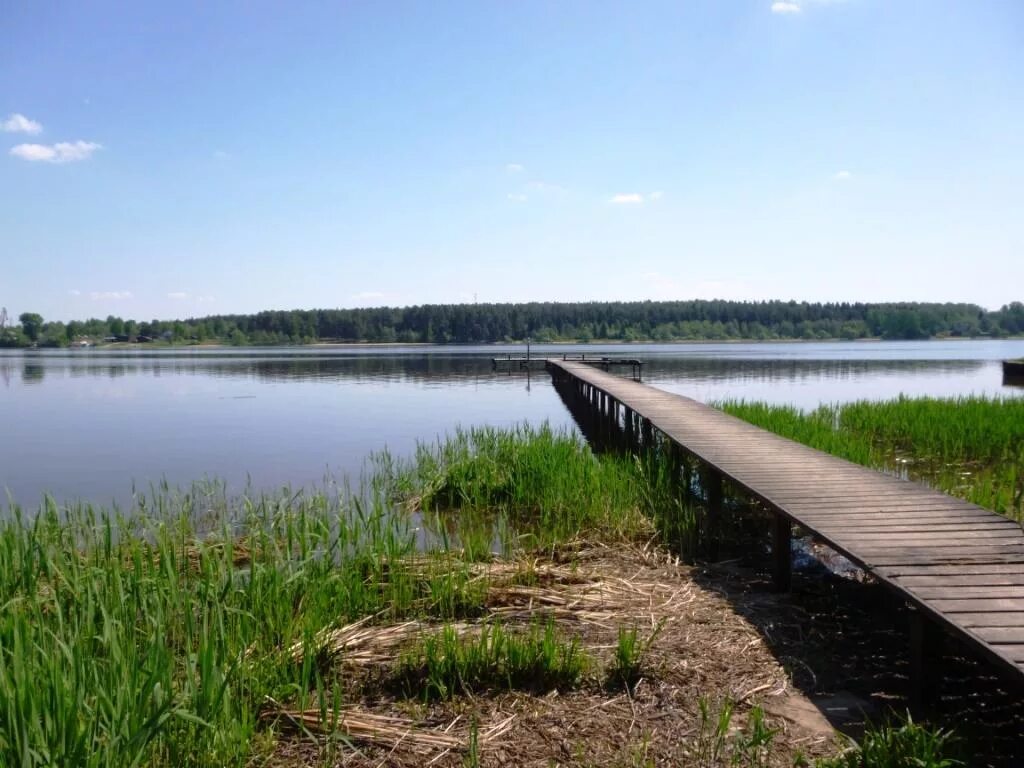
x,y
514,168
842,176
110,295
785,7
627,198
74,292
177,295
61,152
18,123
517,198
205,299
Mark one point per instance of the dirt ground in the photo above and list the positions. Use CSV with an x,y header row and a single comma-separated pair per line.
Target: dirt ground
x,y
704,648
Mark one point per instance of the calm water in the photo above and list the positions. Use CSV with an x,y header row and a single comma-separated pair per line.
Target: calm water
x,y
88,424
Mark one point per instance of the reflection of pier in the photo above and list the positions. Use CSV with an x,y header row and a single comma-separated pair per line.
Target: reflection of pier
x,y
960,567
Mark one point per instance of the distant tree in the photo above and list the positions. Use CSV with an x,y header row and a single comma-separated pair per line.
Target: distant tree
x,y
31,324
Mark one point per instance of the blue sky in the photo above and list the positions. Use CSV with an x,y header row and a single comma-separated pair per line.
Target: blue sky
x,y
189,158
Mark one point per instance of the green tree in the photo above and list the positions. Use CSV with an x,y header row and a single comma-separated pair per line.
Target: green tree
x,y
31,324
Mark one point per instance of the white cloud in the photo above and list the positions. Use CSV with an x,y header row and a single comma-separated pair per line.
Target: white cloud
x,y
110,295
177,295
842,176
75,292
18,123
517,198
782,6
61,152
205,299
514,168
655,195
627,198
220,154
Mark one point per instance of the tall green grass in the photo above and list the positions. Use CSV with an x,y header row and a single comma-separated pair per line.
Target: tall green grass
x,y
972,447
157,637
540,485
448,663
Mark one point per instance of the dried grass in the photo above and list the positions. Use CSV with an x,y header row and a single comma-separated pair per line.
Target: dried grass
x,y
363,726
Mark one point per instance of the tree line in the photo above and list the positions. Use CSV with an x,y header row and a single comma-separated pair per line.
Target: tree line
x,y
543,321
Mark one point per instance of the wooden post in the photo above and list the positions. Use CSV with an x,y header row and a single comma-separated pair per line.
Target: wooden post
x,y
630,429
926,646
782,537
648,433
712,481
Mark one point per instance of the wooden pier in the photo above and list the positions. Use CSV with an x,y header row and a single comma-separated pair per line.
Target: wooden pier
x,y
960,567
605,362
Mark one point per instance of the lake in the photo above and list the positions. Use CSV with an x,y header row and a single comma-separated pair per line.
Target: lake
x,y
90,424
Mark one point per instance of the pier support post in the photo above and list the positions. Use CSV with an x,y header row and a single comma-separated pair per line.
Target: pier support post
x,y
630,429
647,430
927,642
782,557
712,482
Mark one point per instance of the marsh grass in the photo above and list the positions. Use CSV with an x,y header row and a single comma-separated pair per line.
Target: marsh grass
x,y
971,447
897,745
631,648
193,628
450,662
157,637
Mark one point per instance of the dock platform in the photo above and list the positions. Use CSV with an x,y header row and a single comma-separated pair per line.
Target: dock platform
x,y
959,566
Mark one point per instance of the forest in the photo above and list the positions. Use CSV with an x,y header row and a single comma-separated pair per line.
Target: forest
x,y
658,321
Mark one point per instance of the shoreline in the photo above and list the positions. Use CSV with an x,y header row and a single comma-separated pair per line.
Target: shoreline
x,y
130,346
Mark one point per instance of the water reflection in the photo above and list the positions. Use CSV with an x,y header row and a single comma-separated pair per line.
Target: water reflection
x,y
90,424
444,369
32,373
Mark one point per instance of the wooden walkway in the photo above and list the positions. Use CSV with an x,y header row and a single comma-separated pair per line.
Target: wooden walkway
x,y
961,566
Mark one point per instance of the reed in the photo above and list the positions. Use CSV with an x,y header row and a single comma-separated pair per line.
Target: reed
x,y
452,662
157,636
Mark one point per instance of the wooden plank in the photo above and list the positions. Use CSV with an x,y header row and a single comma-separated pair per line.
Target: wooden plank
x,y
1013,652
975,621
916,524
934,569
928,537
958,592
1001,635
962,580
953,606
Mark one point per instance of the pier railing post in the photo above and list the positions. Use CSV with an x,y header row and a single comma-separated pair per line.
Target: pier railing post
x,y
782,537
712,482
926,645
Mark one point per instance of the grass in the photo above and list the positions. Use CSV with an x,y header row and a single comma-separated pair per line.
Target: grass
x,y
184,631
450,662
971,447
627,665
158,636
904,745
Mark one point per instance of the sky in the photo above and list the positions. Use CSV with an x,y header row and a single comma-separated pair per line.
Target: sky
x,y
163,160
